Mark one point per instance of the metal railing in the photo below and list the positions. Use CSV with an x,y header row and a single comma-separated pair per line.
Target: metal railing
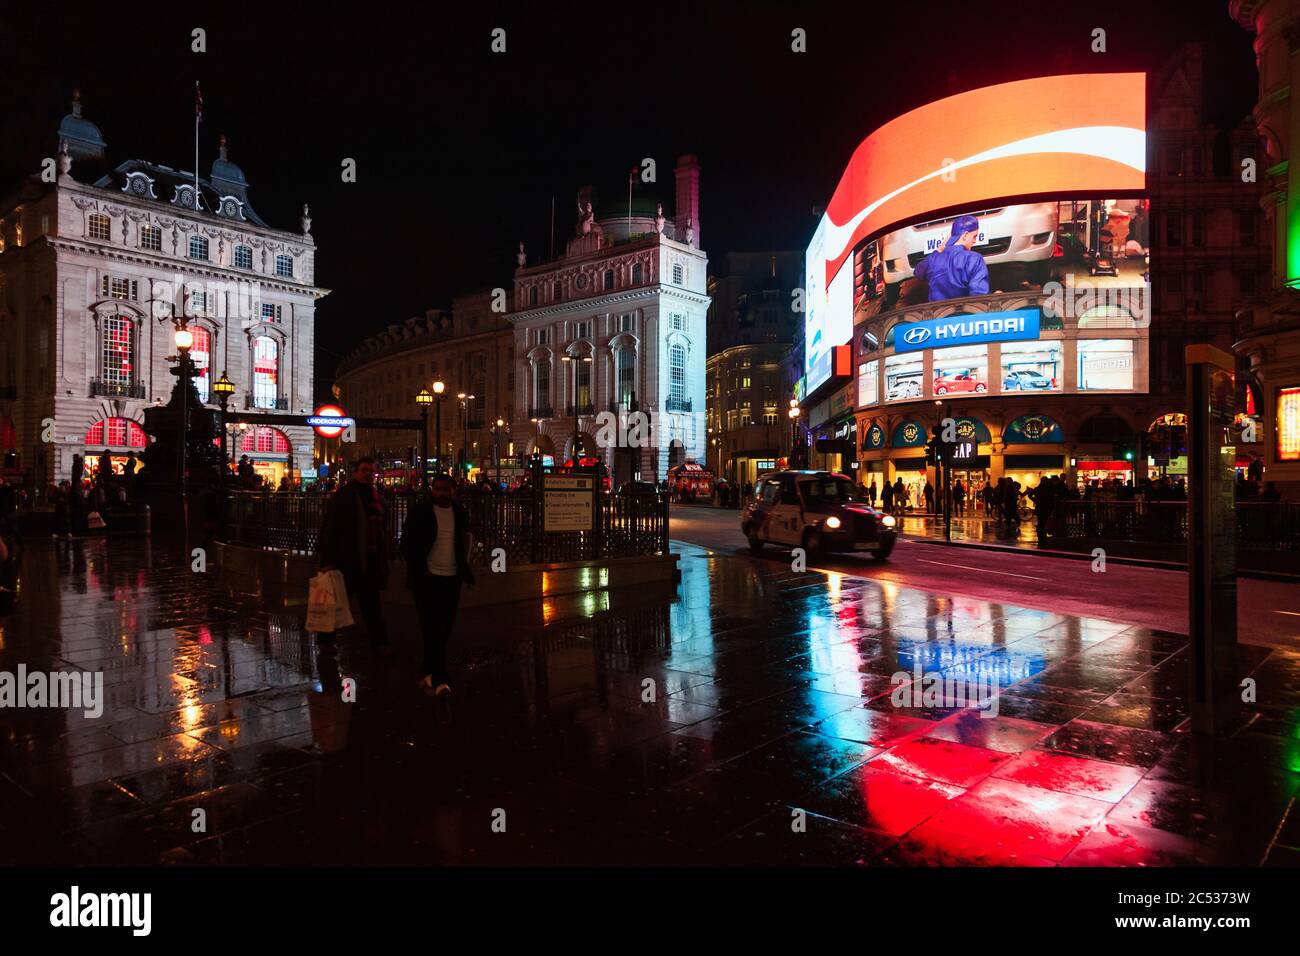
x,y
625,526
678,404
1263,526
116,389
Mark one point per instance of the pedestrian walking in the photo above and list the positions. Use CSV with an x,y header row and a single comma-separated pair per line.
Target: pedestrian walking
x,y
887,498
900,495
929,498
435,547
352,541
959,498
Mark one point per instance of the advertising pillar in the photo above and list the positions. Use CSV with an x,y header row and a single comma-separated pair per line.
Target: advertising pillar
x,y
1211,539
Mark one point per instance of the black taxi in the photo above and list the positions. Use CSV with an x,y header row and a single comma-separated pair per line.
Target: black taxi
x,y
818,511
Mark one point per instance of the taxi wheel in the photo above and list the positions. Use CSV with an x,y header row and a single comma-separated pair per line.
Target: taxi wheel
x,y
812,544
755,543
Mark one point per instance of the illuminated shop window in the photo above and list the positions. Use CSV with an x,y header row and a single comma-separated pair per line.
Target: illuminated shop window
x,y
266,366
1288,424
1105,364
201,356
265,440
117,357
116,433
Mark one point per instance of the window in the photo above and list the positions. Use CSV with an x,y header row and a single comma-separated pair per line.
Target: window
x,y
150,237
201,356
116,432
637,274
243,257
115,287
1246,227
557,292
198,247
1173,229
769,418
582,330
542,381
677,321
200,302
265,439
745,382
626,379
679,273
676,376
270,312
284,266
117,355
266,366
100,227
542,336
609,280
584,383
627,323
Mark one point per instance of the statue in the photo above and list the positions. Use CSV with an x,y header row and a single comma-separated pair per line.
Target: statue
x,y
306,219
586,219
521,257
65,158
690,232
659,218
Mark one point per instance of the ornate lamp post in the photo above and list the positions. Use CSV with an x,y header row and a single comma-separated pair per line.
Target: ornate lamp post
x,y
496,449
464,399
424,400
794,432
224,388
439,388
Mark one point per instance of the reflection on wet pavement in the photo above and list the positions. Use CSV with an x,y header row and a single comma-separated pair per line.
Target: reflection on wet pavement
x,y
749,718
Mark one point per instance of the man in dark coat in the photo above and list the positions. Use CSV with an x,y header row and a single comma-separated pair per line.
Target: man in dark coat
x,y
352,540
435,547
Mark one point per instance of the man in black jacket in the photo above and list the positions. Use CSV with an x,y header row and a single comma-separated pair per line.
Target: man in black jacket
x,y
435,547
352,540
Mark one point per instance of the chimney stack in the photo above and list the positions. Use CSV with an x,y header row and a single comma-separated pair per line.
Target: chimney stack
x,y
687,203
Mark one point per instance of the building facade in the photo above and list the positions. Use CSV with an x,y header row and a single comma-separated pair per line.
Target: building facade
x,y
1099,392
95,261
752,323
610,338
1268,330
470,349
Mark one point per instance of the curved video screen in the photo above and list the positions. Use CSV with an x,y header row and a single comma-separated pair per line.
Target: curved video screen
x,y
1074,134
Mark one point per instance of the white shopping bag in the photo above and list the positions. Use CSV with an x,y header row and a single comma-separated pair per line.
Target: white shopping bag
x,y
321,606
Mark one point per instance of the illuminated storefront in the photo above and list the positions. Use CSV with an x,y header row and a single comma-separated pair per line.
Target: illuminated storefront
x,y
121,437
270,452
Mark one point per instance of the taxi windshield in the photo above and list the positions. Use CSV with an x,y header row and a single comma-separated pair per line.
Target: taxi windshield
x,y
830,490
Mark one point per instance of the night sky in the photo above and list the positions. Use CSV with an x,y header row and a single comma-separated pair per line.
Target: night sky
x,y
460,150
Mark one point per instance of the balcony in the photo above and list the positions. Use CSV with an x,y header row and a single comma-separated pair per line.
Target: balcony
x,y
116,389
278,404
541,411
677,405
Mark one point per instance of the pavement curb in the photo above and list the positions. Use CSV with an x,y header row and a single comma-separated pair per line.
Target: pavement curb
x,y
1083,556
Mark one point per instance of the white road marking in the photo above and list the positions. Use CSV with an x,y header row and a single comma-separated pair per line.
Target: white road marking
x,y
964,567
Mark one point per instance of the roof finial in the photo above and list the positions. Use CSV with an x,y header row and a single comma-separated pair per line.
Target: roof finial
x,y
221,148
76,101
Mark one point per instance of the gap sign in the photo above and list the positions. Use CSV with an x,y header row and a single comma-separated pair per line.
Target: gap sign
x,y
1009,326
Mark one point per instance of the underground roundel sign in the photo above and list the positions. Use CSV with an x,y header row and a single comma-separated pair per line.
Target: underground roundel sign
x,y
324,421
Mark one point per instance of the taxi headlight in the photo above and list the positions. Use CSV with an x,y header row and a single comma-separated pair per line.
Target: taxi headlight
x,y
832,522
888,521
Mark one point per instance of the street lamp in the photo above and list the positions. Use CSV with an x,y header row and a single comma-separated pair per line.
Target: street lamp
x,y
438,389
575,359
464,399
424,400
224,388
496,449
794,431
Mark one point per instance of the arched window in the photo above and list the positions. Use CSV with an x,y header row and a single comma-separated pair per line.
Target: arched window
x,y
265,440
626,375
284,266
117,354
116,433
266,372
541,385
677,379
201,356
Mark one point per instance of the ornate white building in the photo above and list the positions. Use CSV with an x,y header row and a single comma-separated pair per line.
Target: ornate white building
x,y
94,262
615,326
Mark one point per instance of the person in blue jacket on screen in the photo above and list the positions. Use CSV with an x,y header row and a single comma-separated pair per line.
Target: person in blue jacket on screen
x,y
955,270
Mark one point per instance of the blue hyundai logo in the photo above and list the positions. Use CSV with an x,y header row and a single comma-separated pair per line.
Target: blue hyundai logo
x,y
917,335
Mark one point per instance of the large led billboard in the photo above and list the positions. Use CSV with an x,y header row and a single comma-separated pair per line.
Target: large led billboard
x,y
1076,134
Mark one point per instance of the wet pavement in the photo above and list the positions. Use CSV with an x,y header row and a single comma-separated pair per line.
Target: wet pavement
x,y
748,720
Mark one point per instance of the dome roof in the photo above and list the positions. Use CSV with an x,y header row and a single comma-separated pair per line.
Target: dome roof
x,y
82,136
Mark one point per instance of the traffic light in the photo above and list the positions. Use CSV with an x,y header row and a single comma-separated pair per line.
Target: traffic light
x,y
1124,450
937,450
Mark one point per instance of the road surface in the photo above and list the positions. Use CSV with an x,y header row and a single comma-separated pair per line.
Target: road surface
x,y
1268,612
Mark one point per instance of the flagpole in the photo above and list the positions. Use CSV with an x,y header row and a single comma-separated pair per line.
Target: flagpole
x,y
198,115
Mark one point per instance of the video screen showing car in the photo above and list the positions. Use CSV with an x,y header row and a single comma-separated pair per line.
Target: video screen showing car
x,y
1032,366
869,382
1105,365
961,371
903,377
1085,243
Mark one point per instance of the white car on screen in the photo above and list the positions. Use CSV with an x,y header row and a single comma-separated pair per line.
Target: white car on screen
x,y
1025,233
903,388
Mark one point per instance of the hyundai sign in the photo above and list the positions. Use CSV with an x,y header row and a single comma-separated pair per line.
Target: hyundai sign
x,y
1011,326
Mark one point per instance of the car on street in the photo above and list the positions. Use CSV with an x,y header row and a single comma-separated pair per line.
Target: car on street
x,y
1026,380
819,511
963,381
